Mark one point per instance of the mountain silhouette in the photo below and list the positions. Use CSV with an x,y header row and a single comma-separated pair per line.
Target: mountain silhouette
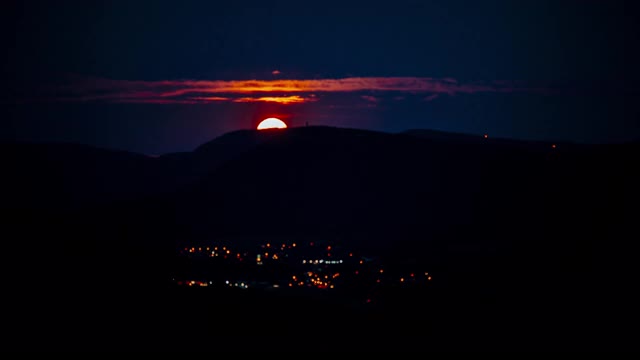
x,y
517,220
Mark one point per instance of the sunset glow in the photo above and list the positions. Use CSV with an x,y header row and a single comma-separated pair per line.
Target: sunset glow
x,y
273,90
272,123
294,99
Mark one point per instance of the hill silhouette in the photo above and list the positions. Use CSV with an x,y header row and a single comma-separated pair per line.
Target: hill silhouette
x,y
524,221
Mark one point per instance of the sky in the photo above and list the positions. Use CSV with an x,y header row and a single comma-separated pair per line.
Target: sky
x,y
164,76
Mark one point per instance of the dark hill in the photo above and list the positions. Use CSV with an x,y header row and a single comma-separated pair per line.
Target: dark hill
x,y
187,168
548,234
460,204
69,176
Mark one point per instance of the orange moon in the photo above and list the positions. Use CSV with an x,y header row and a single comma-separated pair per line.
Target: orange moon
x,y
272,123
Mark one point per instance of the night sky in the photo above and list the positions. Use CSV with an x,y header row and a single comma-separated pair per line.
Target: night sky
x,y
164,76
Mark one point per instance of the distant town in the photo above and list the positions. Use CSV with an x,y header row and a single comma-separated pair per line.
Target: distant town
x,y
307,265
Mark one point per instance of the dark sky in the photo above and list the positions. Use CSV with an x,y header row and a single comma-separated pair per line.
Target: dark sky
x,y
163,76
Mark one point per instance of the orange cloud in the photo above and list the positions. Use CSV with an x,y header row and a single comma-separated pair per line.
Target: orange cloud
x,y
407,84
275,90
295,99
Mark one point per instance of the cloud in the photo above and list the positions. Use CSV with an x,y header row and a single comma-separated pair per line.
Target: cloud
x,y
294,99
284,91
210,98
276,72
431,97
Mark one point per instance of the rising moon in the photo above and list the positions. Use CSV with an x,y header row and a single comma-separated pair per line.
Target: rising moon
x,y
272,123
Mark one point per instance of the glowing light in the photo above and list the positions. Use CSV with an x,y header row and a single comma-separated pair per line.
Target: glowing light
x,y
401,279
429,278
486,136
553,146
271,123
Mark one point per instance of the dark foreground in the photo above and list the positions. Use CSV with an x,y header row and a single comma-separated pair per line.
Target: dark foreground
x,y
81,317
532,247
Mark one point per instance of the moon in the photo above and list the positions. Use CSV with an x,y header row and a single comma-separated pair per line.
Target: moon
x,y
272,123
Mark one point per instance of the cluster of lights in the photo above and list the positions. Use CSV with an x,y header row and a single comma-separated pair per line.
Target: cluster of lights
x,y
322,280
282,247
321,261
315,280
241,285
194,283
212,251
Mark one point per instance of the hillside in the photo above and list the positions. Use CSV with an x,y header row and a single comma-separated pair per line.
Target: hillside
x,y
505,225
